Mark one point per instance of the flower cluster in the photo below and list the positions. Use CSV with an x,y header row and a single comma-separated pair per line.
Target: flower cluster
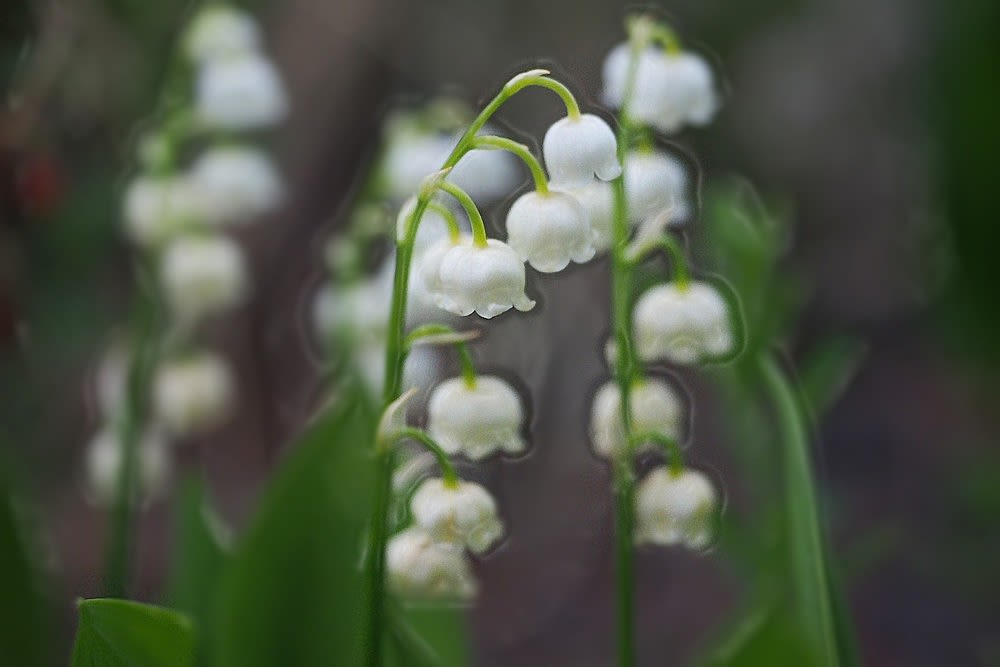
x,y
178,214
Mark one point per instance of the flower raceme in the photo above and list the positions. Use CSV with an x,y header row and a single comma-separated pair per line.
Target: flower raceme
x,y
549,229
655,406
683,323
478,420
421,568
460,513
675,508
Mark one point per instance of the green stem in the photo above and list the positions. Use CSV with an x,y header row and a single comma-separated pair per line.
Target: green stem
x,y
521,151
804,535
454,230
682,274
479,237
625,598
540,80
421,436
671,450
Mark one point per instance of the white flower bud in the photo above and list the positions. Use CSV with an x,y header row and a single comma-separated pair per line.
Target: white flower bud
x,y
240,93
192,394
463,515
476,421
104,460
488,281
684,325
670,90
548,230
236,183
421,569
655,184
655,405
202,275
675,509
220,31
577,149
156,209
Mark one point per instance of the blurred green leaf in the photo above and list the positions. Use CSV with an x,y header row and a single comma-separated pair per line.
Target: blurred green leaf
x,y
292,594
826,371
22,632
115,633
761,634
199,558
442,631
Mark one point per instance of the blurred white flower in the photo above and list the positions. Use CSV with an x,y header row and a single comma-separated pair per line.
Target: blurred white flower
x,y
655,184
203,275
476,421
486,280
236,183
675,509
682,324
422,569
486,175
241,93
193,393
656,407
671,89
110,379
359,310
220,31
156,209
577,149
464,514
597,200
548,230
103,464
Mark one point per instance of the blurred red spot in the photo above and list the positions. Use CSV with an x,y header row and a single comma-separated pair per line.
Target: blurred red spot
x,y
39,185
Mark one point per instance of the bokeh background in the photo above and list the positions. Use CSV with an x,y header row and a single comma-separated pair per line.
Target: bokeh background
x,y
874,121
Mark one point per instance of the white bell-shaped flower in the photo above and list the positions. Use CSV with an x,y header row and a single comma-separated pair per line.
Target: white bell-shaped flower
x,y
597,200
241,93
103,464
237,183
463,514
655,405
577,149
156,209
221,31
675,509
486,280
683,324
655,185
420,568
359,310
202,275
476,421
193,393
548,230
671,89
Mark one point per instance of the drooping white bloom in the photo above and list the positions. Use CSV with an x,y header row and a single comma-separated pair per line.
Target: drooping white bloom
x,y
155,209
655,185
656,407
548,230
671,89
422,569
675,509
241,93
597,201
236,183
476,421
221,31
202,275
682,324
486,280
577,149
193,393
464,514
103,461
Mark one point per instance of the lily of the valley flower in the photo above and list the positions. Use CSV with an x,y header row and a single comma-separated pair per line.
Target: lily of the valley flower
x,y
202,275
578,148
236,184
476,420
156,209
104,460
221,31
597,201
656,407
675,508
239,93
550,229
682,323
420,568
655,184
463,514
488,280
193,393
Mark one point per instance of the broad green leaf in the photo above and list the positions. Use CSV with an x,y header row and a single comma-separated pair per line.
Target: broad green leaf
x,y
292,593
22,632
827,369
120,633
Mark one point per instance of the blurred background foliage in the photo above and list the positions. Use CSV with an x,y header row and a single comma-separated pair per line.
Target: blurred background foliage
x,y
868,126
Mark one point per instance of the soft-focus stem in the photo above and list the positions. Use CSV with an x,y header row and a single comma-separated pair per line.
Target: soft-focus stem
x,y
475,217
521,151
674,250
671,450
447,469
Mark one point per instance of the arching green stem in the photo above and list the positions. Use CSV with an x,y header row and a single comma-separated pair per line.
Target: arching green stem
x,y
475,217
421,436
540,79
671,450
439,333
521,151
454,230
669,244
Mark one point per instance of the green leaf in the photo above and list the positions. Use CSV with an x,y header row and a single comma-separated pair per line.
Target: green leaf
x,y
431,636
292,594
198,559
828,369
120,633
22,632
